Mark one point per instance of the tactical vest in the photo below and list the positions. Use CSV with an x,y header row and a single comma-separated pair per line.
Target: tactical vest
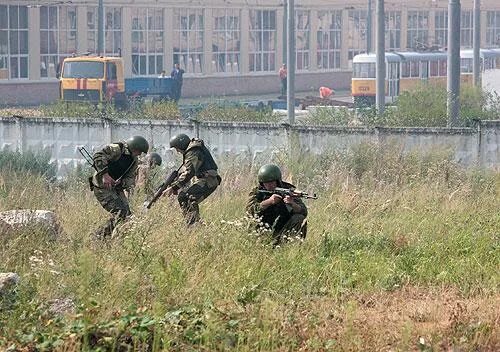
x,y
208,162
118,168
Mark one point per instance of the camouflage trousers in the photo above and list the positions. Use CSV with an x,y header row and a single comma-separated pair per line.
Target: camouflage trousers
x,y
190,198
115,202
296,226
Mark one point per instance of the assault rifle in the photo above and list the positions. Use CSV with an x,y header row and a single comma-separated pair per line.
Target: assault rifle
x,y
283,192
168,181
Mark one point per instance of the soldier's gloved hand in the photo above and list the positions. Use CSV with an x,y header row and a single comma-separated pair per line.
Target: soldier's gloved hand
x,y
107,181
288,200
275,199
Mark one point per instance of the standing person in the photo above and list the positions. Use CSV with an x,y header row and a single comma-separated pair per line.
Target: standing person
x,y
198,176
115,179
285,216
283,74
163,74
177,74
147,172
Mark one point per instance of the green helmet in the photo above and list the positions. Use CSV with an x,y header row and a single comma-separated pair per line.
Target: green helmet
x,y
138,143
155,159
180,141
268,173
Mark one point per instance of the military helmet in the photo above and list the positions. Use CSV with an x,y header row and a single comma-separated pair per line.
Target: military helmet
x,y
180,141
155,159
268,173
138,143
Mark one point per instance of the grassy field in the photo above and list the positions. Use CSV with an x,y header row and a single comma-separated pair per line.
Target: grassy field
x,y
402,254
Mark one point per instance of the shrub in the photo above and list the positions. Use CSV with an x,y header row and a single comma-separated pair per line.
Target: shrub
x,y
136,110
37,163
214,112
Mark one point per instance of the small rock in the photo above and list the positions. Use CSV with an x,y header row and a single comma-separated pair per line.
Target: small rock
x,y
7,281
12,220
62,306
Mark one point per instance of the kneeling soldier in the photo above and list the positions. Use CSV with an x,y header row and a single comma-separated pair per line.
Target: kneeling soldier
x,y
284,215
112,184
147,173
197,165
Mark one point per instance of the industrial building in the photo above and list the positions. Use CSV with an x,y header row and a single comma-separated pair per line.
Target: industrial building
x,y
226,47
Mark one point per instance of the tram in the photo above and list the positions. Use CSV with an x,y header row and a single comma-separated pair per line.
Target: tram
x,y
407,70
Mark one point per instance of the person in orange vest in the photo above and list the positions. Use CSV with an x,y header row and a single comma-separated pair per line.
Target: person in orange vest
x,y
325,92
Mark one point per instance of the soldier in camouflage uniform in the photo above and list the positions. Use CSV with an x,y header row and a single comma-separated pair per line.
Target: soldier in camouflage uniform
x,y
198,177
147,173
112,184
284,216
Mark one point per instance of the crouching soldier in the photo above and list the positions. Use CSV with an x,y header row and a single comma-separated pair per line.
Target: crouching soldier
x,y
198,177
115,179
147,173
281,212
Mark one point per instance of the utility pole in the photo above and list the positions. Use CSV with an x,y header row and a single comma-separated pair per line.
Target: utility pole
x,y
477,44
453,71
369,28
100,28
380,65
290,93
285,14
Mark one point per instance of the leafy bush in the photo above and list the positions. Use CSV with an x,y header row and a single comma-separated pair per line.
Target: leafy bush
x,y
425,106
215,112
32,162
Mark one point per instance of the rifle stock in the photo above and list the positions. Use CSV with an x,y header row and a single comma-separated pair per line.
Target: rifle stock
x,y
171,178
289,192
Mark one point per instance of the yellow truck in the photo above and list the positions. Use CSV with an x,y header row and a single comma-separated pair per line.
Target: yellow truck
x,y
98,79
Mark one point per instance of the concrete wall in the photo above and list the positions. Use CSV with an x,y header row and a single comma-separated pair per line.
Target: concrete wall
x,y
61,137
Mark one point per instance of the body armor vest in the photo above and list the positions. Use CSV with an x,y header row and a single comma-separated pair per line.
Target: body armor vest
x,y
118,168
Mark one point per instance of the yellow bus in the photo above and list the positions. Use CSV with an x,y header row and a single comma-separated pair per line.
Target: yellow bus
x,y
406,70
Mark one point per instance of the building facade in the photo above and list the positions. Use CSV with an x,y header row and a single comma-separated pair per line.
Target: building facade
x,y
226,47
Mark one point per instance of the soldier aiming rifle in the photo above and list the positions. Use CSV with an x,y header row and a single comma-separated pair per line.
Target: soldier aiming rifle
x,y
278,206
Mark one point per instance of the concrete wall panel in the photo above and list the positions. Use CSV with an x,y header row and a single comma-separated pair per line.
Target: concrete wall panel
x,y
258,141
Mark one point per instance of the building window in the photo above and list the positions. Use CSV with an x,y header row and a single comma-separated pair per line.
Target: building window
x,y
147,41
112,30
393,30
302,33
262,43
418,29
493,29
226,40
13,42
356,34
329,36
188,39
441,31
466,29
57,38
441,28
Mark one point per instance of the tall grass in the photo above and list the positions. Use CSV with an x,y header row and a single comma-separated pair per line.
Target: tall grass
x,y
402,251
136,110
